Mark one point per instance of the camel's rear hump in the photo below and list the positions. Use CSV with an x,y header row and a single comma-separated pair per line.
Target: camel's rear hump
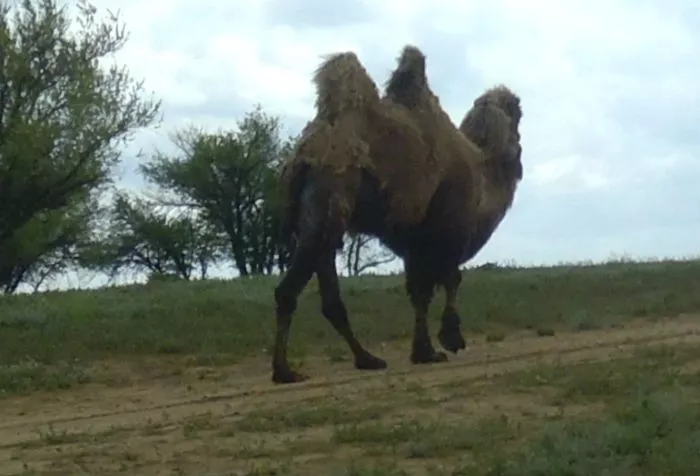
x,y
408,81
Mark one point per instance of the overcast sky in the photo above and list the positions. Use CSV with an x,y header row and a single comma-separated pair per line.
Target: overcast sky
x,y
610,96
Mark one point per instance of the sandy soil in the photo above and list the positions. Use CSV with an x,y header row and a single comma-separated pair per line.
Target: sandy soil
x,y
160,417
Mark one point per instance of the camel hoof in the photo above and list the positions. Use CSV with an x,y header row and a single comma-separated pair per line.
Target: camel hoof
x,y
282,376
370,362
452,340
435,357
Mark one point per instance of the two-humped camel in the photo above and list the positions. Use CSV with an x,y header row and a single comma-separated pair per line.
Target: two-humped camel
x,y
398,169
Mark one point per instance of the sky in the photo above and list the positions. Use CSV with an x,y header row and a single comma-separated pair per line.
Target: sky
x,y
610,97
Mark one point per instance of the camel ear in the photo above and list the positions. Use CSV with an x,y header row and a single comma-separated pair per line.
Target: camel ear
x,y
512,108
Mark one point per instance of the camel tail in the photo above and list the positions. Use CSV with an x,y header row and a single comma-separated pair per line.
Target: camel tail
x,y
293,181
343,85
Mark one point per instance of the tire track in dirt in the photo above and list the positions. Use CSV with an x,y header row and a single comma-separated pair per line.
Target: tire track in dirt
x,y
482,360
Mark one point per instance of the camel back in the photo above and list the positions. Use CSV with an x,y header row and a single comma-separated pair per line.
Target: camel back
x,y
388,145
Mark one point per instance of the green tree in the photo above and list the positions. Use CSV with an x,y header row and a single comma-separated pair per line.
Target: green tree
x,y
231,178
47,245
65,114
141,236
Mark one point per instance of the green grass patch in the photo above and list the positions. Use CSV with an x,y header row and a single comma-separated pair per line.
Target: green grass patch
x,y
237,317
654,434
418,439
29,376
306,416
373,469
644,371
648,425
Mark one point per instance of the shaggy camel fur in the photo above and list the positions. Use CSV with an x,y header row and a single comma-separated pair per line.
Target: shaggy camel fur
x,y
398,169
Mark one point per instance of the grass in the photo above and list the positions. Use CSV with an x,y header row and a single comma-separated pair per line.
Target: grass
x,y
418,439
657,433
236,317
30,375
308,416
656,367
645,423
62,333
635,415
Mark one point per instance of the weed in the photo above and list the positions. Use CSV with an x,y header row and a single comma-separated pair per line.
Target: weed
x,y
309,415
52,436
29,375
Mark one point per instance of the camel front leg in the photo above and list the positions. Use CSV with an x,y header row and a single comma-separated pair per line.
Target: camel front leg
x,y
450,335
420,286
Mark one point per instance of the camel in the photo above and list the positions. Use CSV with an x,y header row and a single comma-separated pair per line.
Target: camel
x,y
396,168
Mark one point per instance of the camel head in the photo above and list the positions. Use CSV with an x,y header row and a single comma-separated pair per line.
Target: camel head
x,y
493,124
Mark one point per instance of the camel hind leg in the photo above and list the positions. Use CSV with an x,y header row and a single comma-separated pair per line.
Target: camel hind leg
x,y
308,223
314,252
334,310
287,292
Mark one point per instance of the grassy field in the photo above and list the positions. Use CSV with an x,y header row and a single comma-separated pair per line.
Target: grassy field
x,y
582,370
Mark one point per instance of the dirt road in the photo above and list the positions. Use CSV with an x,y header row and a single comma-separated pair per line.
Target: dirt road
x,y
158,417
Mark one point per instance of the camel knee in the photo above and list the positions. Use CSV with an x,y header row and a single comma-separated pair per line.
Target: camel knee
x,y
451,319
285,300
420,293
334,310
450,334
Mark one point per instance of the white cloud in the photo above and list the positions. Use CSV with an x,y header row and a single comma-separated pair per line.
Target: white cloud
x,y
609,92
563,175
